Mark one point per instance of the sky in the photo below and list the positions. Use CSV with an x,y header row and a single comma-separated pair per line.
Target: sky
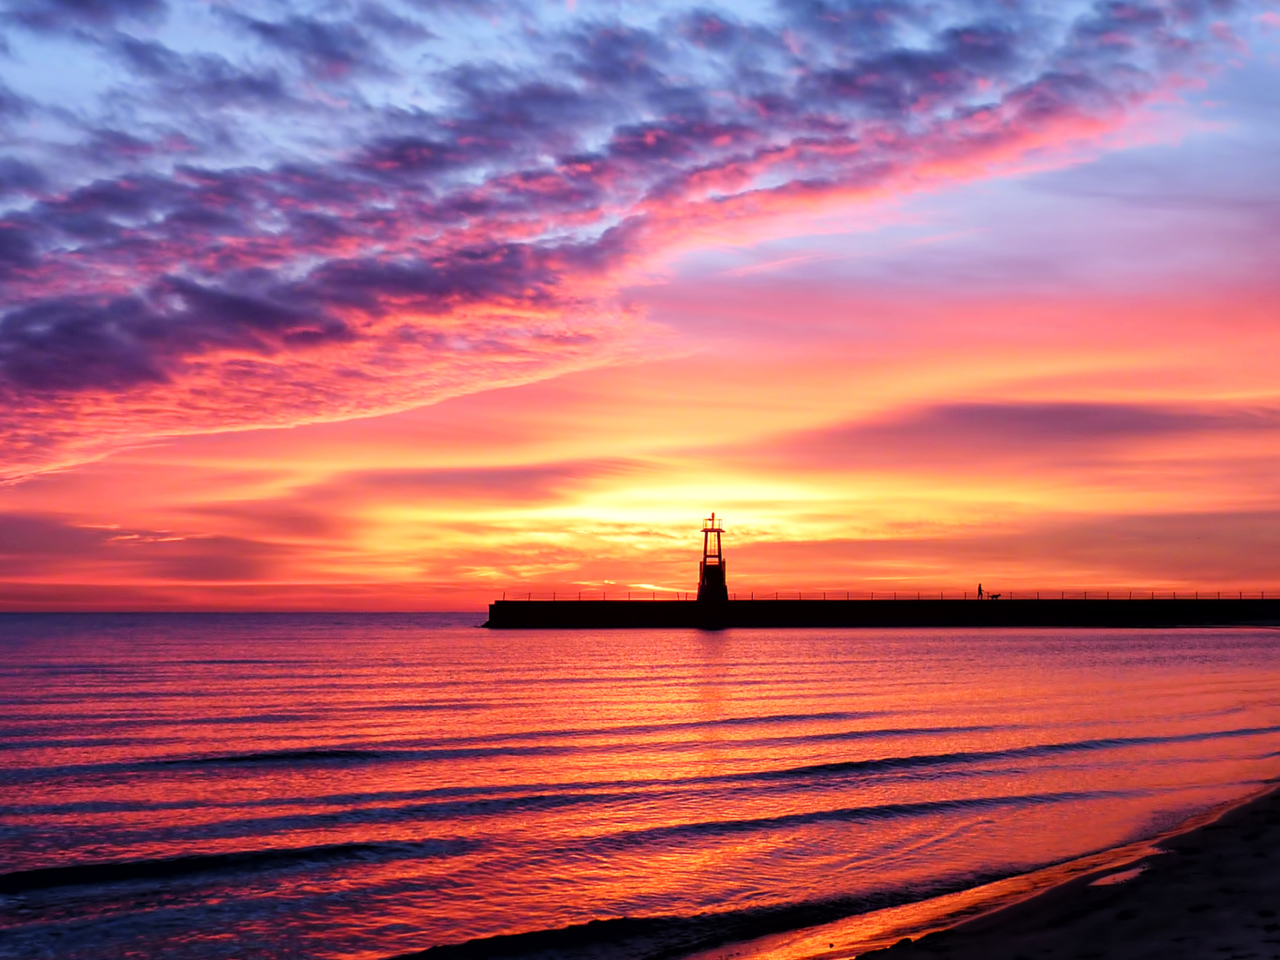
x,y
405,305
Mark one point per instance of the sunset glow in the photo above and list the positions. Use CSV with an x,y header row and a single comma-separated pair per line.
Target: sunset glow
x,y
406,305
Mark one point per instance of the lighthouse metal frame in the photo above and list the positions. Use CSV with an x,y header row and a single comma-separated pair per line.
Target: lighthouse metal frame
x,y
711,571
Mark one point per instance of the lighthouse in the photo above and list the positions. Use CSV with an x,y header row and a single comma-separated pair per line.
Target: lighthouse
x,y
711,582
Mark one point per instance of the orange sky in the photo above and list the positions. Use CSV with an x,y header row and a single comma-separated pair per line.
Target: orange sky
x,y
1040,360
948,452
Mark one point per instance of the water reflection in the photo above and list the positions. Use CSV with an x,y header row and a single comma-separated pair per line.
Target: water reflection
x,y
355,787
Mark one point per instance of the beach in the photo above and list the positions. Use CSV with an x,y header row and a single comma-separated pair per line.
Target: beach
x,y
1212,891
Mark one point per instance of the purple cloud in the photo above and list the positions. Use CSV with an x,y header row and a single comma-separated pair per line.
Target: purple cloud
x,y
207,80
978,435
33,546
1129,550
328,50
230,245
59,15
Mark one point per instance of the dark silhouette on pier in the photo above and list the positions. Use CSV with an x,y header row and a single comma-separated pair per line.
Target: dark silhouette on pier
x,y
714,610
712,587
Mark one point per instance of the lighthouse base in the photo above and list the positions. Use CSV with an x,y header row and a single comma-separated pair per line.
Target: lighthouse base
x,y
711,584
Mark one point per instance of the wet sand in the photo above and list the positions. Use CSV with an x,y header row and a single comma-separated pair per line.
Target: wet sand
x,y
1209,889
1214,892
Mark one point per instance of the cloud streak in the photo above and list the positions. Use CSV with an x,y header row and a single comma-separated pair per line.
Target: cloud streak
x,y
43,546
1157,551
983,436
468,225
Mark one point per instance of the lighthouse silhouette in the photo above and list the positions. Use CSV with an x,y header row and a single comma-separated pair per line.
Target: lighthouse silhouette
x,y
711,582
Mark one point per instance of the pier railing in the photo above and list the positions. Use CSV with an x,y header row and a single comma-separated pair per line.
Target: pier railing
x,y
661,595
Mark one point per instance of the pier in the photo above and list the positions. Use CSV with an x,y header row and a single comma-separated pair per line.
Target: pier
x,y
716,608
1056,612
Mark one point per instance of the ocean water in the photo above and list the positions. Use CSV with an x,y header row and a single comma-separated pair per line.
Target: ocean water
x,y
320,786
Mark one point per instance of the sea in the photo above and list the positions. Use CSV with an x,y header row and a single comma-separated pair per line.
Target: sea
x,y
209,787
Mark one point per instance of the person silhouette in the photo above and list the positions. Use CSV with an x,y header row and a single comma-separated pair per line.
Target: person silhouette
x,y
979,591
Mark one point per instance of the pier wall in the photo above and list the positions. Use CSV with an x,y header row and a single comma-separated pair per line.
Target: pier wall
x,y
627,614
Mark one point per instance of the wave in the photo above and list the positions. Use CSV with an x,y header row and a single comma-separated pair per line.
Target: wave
x,y
444,811
32,725
711,829
168,868
812,772
669,937
1033,751
468,752
731,722
358,755
275,756
437,812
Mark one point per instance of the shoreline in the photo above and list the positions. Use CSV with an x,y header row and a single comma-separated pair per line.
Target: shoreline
x,y
1202,888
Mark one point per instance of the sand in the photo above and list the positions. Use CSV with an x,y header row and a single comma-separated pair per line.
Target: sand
x,y
1214,892
1209,890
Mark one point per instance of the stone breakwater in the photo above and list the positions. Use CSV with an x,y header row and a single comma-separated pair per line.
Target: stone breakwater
x,y
626,614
